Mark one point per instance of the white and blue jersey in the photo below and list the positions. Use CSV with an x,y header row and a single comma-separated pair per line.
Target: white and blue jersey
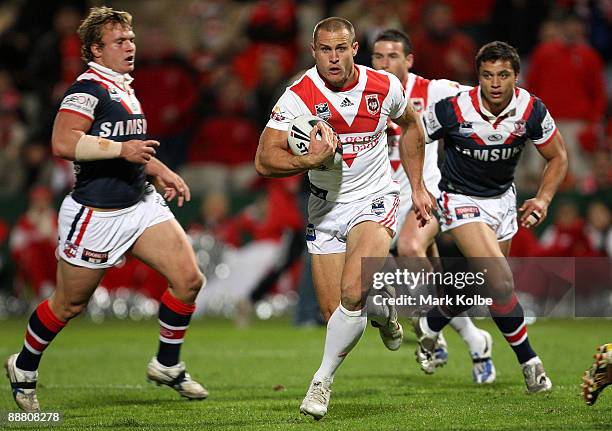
x,y
106,98
481,150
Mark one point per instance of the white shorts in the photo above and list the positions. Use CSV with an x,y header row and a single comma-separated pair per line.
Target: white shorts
x,y
405,206
499,212
330,222
99,239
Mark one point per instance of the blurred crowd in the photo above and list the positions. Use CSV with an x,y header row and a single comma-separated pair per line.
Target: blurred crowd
x,y
207,74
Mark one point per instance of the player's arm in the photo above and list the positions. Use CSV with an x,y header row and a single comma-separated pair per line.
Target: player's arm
x,y
273,158
554,173
171,183
412,155
71,141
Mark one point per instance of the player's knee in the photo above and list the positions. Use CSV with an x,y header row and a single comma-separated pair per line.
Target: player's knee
x,y
326,313
410,247
193,284
502,287
65,312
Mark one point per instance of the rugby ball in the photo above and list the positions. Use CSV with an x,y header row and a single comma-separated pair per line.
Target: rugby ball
x,y
299,139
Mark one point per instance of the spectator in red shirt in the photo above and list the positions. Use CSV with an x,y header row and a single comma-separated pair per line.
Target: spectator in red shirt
x,y
223,147
567,74
167,88
33,241
449,51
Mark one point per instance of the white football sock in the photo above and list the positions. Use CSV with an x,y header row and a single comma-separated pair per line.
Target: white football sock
x,y
344,330
470,333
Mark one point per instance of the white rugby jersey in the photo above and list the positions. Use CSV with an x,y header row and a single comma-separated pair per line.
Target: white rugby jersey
x,y
481,150
421,93
359,115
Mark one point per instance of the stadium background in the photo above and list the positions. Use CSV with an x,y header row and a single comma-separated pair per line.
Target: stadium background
x,y
207,74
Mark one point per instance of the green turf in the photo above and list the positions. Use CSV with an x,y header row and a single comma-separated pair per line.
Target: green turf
x,y
94,375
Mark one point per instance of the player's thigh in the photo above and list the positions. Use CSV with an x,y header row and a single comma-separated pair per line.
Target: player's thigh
x,y
478,242
165,247
326,276
414,240
366,239
74,287
505,247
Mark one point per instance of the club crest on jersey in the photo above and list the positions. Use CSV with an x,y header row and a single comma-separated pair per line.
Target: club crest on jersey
x,y
114,95
378,206
418,104
520,128
322,111
70,249
465,128
372,104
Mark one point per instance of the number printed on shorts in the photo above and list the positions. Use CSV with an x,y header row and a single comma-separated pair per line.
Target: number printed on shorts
x,y
31,417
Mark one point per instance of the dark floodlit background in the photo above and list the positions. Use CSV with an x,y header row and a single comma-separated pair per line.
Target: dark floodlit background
x,y
208,73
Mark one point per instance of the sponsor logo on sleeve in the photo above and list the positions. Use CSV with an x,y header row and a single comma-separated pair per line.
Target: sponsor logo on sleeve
x,y
431,122
467,212
277,114
548,124
80,102
94,256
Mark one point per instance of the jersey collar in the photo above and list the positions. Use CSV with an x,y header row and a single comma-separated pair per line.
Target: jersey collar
x,y
121,80
345,88
488,115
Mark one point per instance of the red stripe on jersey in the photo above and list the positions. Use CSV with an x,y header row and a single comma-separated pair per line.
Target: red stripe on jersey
x,y
349,158
90,70
176,304
460,119
80,114
83,227
420,90
47,318
548,141
525,117
33,342
520,334
458,113
474,98
127,108
364,122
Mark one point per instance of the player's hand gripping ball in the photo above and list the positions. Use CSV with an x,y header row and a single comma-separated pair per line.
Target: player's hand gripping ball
x,y
299,140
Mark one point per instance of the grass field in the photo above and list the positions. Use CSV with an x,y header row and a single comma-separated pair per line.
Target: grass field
x,y
94,375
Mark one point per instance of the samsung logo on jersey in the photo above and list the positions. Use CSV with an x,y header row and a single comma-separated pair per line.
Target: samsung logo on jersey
x,y
136,126
491,155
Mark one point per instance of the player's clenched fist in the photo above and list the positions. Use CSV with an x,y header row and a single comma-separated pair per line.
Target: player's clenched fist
x,y
323,143
138,151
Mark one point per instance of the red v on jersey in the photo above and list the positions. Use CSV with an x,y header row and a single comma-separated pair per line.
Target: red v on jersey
x,y
368,111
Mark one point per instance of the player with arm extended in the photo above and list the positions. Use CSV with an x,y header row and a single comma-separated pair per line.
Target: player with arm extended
x,y
484,131
392,52
352,208
112,209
